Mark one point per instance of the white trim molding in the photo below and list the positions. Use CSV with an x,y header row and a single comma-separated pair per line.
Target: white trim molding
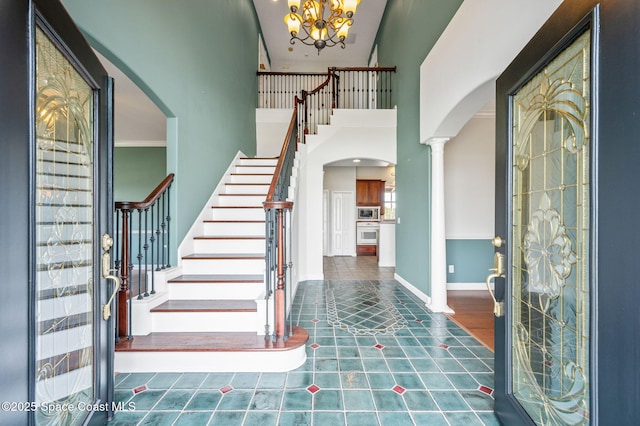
x,y
140,144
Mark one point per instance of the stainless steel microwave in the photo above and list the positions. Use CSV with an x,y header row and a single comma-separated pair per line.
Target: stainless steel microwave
x,y
368,213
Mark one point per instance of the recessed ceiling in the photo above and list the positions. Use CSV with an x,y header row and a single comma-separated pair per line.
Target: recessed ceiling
x,y
359,43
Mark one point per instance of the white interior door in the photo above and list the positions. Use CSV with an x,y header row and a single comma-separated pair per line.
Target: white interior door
x,y
342,223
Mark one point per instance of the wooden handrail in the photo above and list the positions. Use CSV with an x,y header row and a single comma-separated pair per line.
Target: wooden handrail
x,y
392,69
148,202
322,86
269,201
289,73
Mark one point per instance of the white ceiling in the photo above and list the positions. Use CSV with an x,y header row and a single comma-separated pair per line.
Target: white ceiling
x,y
359,43
139,122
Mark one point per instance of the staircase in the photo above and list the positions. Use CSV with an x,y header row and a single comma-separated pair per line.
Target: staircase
x,y
210,312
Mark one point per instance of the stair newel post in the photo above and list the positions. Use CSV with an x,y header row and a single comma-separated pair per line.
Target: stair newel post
x,y
123,294
334,88
268,269
280,289
168,192
289,265
306,112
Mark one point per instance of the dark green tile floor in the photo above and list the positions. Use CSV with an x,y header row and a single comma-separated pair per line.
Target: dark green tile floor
x,y
424,371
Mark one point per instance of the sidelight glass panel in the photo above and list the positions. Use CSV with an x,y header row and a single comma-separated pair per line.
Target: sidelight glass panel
x,y
64,212
551,240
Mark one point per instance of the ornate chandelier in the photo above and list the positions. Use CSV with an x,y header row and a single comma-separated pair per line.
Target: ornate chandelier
x,y
319,29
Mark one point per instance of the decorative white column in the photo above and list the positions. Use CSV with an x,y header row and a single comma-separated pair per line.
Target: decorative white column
x,y
438,240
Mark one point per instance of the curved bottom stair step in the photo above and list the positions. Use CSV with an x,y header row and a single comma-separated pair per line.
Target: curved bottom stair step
x,y
206,306
211,342
210,352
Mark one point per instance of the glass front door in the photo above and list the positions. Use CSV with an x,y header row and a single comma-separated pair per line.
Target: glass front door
x,y
544,365
72,359
550,239
64,211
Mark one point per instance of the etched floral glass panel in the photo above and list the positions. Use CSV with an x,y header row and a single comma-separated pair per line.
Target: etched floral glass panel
x,y
64,238
551,239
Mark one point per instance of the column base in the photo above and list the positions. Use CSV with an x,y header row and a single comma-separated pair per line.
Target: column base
x,y
439,308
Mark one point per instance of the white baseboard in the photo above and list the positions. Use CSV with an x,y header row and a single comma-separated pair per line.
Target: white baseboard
x,y
468,286
413,289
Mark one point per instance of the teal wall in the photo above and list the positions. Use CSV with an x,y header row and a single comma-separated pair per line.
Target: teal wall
x,y
137,171
198,63
408,31
471,260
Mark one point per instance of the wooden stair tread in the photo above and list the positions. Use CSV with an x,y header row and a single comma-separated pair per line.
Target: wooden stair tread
x,y
218,278
233,221
223,256
206,306
229,237
211,342
238,207
241,195
248,184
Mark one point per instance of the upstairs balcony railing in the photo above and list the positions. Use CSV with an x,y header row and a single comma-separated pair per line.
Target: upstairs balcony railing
x,y
141,248
320,93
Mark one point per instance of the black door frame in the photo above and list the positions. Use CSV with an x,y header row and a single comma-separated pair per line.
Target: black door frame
x,y
615,136
18,20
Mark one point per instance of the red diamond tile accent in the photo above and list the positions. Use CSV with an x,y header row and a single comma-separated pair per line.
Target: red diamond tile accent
x,y
403,303
313,389
418,320
226,389
315,346
315,320
379,346
139,389
485,389
548,363
443,346
398,389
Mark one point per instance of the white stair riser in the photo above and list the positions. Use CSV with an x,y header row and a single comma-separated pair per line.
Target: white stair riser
x,y
247,189
222,266
229,246
238,214
258,161
235,229
254,178
254,170
192,322
242,200
213,291
258,361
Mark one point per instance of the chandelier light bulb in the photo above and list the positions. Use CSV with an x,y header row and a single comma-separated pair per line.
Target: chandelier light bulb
x,y
294,5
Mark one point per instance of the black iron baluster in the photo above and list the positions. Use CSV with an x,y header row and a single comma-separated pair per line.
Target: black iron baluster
x,y
146,252
139,256
152,239
158,240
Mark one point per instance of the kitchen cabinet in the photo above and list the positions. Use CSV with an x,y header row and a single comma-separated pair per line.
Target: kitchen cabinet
x,y
370,192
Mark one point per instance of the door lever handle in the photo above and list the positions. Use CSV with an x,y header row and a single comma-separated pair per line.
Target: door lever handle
x,y
107,242
498,272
